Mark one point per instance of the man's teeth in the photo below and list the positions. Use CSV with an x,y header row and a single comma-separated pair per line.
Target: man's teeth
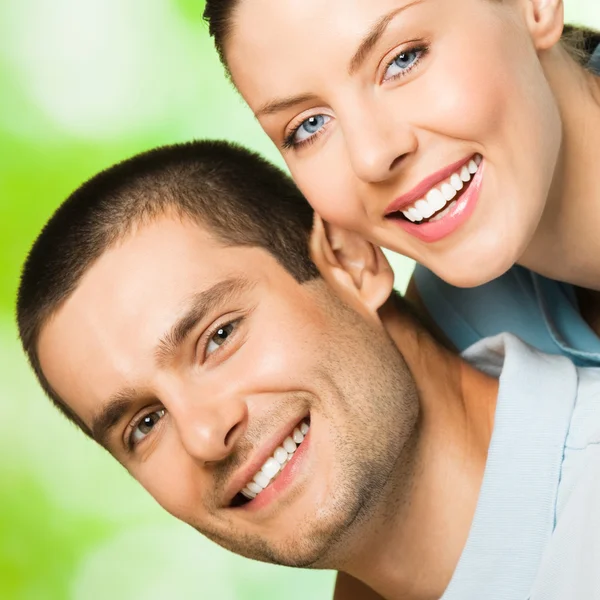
x,y
438,197
276,462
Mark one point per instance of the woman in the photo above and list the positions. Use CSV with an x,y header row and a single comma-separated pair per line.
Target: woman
x,y
462,134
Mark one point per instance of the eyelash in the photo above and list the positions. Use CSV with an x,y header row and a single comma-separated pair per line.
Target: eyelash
x,y
289,143
207,337
131,443
421,50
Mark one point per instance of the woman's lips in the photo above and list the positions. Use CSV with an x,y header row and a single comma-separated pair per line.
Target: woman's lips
x,y
420,191
451,218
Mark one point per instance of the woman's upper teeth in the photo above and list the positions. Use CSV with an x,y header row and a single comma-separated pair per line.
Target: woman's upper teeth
x,y
437,197
275,463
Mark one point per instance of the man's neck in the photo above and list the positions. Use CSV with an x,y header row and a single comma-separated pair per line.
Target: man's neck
x,y
410,549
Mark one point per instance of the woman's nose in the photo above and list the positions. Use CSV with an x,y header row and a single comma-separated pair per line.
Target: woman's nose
x,y
377,147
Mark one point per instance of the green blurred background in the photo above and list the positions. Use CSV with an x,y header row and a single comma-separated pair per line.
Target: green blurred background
x,y
83,84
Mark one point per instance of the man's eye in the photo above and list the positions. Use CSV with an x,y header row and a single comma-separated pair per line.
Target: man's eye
x,y
145,425
219,337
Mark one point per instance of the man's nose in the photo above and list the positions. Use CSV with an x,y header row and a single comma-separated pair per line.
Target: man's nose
x,y
209,429
377,146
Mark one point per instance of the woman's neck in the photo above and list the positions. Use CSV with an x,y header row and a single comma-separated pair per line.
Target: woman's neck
x,y
567,242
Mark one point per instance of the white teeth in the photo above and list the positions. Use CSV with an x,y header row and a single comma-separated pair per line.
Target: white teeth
x,y
456,182
444,212
448,192
424,209
271,468
412,214
275,463
436,199
262,479
281,455
415,214
254,487
289,445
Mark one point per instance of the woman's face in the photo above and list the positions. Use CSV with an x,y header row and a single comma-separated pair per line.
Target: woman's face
x,y
427,126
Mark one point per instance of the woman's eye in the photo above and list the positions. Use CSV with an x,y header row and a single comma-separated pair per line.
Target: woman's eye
x,y
145,426
219,337
309,127
403,63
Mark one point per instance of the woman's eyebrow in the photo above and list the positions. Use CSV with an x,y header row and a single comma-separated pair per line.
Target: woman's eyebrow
x,y
275,106
364,48
373,35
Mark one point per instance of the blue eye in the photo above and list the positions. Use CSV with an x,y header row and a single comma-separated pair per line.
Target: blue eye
x,y
146,425
403,63
306,130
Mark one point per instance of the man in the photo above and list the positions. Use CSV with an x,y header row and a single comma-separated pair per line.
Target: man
x,y
171,309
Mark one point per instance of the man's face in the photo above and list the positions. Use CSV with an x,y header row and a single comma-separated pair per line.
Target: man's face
x,y
193,362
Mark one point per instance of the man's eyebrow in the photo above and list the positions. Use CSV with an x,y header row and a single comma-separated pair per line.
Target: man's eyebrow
x,y
373,35
200,305
112,414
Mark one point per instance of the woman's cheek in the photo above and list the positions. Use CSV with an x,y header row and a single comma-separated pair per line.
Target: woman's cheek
x,y
463,101
327,185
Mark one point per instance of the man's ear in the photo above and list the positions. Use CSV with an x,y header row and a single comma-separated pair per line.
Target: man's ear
x,y
545,19
352,266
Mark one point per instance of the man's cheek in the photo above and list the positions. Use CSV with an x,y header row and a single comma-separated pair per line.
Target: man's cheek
x,y
172,483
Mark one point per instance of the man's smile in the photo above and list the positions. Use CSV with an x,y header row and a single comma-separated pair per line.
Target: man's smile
x,y
277,463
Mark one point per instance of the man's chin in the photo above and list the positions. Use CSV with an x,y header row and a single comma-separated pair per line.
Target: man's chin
x,y
308,543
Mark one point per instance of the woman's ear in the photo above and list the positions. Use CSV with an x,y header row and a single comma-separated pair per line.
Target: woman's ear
x,y
353,267
545,19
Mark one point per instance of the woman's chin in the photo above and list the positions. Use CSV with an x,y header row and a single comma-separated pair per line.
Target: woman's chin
x,y
474,270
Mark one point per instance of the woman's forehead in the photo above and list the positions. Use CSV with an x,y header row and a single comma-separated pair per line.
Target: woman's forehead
x,y
269,24
276,43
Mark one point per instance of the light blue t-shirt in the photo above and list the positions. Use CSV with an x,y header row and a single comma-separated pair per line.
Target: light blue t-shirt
x,y
542,312
594,64
536,530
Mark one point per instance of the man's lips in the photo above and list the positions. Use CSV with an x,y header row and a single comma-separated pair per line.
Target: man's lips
x,y
254,465
419,191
